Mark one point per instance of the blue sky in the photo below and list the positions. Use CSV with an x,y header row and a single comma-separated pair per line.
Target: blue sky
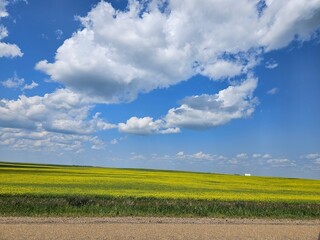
x,y
213,86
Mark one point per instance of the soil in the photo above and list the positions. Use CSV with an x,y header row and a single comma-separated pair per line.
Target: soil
x,y
156,228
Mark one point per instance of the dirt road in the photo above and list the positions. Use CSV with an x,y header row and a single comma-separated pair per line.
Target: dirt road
x,y
155,228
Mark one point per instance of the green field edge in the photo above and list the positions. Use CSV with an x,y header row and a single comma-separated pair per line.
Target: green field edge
x,y
109,206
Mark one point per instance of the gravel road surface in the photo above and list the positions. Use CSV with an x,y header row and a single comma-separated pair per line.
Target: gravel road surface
x,y
156,228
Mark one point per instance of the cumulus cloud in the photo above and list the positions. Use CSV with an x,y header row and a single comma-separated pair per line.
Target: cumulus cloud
x,y
312,156
201,155
207,111
13,82
7,49
222,69
242,156
18,83
199,112
180,154
280,162
23,139
145,126
259,155
3,10
118,54
195,156
59,121
61,111
289,20
256,155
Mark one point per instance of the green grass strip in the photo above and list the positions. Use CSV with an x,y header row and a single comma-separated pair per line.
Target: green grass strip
x,y
102,206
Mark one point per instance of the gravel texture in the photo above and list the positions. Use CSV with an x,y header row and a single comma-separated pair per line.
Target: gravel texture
x,y
156,228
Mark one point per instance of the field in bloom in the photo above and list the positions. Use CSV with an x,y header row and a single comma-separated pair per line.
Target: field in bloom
x,y
55,180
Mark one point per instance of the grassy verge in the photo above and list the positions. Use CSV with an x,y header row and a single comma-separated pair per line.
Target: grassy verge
x,y
35,205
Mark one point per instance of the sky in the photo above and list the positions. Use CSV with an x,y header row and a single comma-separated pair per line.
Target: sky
x,y
211,86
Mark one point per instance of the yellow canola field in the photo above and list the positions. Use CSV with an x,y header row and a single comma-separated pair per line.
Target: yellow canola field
x,y
36,179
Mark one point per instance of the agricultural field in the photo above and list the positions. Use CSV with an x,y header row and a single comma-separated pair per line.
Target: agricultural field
x,y
36,189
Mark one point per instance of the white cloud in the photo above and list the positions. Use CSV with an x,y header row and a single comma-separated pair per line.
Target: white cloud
x,y
203,156
195,156
3,10
142,126
223,69
242,156
145,126
60,111
207,111
259,155
22,139
267,155
262,156
312,156
273,91
170,130
271,64
281,162
30,86
198,112
180,154
7,49
289,20
13,82
18,83
96,143
119,54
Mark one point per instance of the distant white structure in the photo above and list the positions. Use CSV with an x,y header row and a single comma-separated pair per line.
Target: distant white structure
x,y
247,174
